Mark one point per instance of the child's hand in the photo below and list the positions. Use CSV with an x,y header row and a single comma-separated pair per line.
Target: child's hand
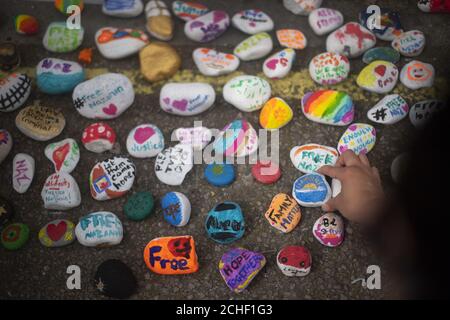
x,y
362,196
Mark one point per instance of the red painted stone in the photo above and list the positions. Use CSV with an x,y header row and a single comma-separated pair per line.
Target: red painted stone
x,y
266,172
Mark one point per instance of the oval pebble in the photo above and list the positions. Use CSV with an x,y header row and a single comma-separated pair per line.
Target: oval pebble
x,y
14,236
275,114
329,68
423,111
381,53
389,110
214,63
351,40
311,190
6,144
99,229
225,223
359,137
311,157
40,123
220,175
238,138
207,27
416,75
56,76
247,93
252,21
266,171
325,20
57,233
279,64
139,206
329,230
254,47
283,214
173,164
145,141
294,261
176,209
378,77
114,279
98,137
410,44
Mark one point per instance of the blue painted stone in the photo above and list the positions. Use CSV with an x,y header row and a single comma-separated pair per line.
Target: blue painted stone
x,y
225,223
381,53
56,76
311,190
220,175
390,23
176,209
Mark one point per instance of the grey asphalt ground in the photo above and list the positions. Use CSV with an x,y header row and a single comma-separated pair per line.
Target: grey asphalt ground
x,y
36,272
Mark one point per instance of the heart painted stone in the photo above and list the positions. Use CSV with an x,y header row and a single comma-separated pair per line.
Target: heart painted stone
x,y
64,155
329,68
40,123
139,206
294,261
283,214
389,110
60,192
275,114
325,20
106,96
238,139
279,65
381,53
188,11
15,89
6,143
292,38
163,68
422,112
311,190
23,172
378,77
176,209
115,43
173,164
328,107
171,255
416,75
329,230
207,27
359,137
247,93
159,20
390,26
311,157
14,236
99,229
214,63
302,7
56,76
98,137
57,233
410,44
145,141
220,175
225,223
59,38
197,137
266,171
252,21
239,267
254,47
351,40
122,8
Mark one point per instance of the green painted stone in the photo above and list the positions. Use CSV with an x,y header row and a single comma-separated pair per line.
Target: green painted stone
x,y
59,38
381,53
139,206
15,235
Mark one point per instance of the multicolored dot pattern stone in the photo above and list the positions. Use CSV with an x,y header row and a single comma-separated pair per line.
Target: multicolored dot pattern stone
x,y
139,206
329,230
14,236
98,137
359,137
275,114
283,214
311,190
225,223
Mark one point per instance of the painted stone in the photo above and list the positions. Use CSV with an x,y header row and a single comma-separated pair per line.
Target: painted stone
x,y
329,68
381,53
112,178
416,75
247,93
239,267
98,137
283,214
9,57
186,99
40,123
60,192
220,175
292,38
410,44
207,27
390,26
176,209
57,233
188,11
99,229
399,167
266,171
308,158
311,190
6,143
173,164
294,261
359,137
56,76
275,114
14,236
122,8
139,206
23,172
329,230
254,47
434,6
15,89
153,67
145,141
302,7
325,20
422,112
252,21
64,155
114,43
59,38
214,63
197,137
106,96
336,187
63,5
379,77
328,107
6,211
114,279
225,223
26,24
279,64
351,40
237,139
171,255
389,110
159,20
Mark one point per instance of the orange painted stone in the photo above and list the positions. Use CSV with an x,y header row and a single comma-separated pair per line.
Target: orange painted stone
x,y
275,114
291,38
171,255
284,213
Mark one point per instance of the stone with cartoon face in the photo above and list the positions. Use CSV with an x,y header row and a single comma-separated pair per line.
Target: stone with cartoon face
x,y
417,74
294,261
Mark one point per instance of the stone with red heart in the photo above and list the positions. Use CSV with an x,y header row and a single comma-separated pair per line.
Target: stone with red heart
x,y
145,141
57,233
64,155
278,65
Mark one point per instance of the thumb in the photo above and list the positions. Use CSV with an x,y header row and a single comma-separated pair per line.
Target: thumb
x,y
333,172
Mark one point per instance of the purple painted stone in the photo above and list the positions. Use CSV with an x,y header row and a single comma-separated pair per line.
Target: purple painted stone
x,y
239,266
207,27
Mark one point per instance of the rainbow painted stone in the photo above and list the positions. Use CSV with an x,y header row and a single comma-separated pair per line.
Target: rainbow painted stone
x,y
328,107
311,190
25,24
359,137
239,267
238,138
62,5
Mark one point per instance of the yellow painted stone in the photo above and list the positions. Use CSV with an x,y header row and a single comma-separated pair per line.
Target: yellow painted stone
x,y
275,114
161,26
159,61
